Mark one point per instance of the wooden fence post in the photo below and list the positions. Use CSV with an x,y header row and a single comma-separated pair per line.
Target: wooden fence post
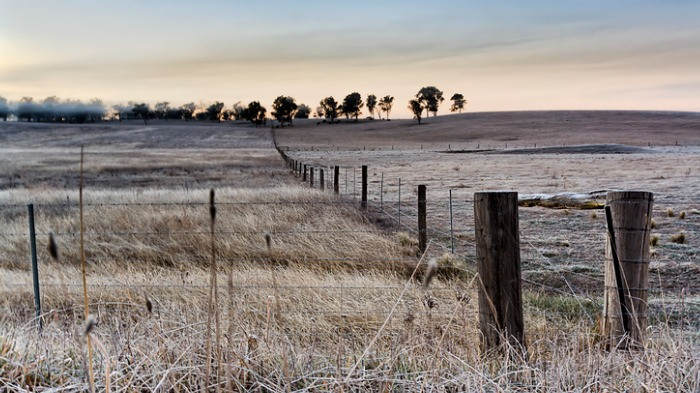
x,y
321,180
304,177
336,179
630,211
311,177
422,218
364,186
498,262
35,265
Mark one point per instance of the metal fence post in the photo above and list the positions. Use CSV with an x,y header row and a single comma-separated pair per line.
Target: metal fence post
x,y
35,265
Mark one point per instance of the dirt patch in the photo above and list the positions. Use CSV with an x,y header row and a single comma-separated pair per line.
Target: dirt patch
x,y
581,149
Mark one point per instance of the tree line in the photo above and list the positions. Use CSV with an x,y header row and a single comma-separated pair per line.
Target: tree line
x,y
284,109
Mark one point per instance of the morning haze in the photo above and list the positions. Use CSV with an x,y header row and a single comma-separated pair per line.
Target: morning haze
x,y
504,55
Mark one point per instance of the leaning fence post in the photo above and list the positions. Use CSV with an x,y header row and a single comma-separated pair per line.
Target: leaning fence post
x,y
321,181
422,216
35,266
630,213
364,186
498,261
311,177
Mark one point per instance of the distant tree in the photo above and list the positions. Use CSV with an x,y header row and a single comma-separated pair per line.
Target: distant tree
x,y
284,109
416,107
385,105
161,110
188,111
458,102
214,111
26,110
430,98
351,105
4,108
50,110
255,113
371,104
238,111
143,111
328,108
303,112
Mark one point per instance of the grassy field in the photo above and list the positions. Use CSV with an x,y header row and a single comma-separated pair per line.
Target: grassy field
x,y
330,305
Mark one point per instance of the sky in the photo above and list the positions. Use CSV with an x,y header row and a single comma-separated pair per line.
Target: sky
x,y
502,55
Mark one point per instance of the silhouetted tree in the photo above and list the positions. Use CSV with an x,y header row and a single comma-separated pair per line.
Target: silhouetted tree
x,y
255,113
430,98
143,111
214,111
4,108
385,105
284,109
238,111
303,112
188,111
458,102
371,104
417,108
161,110
352,104
26,109
328,108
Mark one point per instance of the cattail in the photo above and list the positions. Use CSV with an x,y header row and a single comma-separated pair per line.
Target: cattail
x,y
91,323
268,241
212,206
430,273
53,248
149,305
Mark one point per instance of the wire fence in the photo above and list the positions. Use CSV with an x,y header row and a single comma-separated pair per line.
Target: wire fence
x,y
449,231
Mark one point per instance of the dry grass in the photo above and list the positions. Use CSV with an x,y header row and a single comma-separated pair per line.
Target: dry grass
x,y
298,314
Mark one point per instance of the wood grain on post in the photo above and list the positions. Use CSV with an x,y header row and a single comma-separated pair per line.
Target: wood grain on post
x,y
321,180
364,186
631,217
336,179
498,260
422,220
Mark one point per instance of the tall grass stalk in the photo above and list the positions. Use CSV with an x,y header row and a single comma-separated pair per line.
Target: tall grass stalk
x,y
213,301
91,372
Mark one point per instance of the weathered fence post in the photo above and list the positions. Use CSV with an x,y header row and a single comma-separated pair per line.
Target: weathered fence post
x,y
452,232
399,213
35,265
422,218
625,322
321,180
364,186
498,260
311,177
304,177
336,179
381,193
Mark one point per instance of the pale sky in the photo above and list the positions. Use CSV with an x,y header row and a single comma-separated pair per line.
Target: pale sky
x,y
502,55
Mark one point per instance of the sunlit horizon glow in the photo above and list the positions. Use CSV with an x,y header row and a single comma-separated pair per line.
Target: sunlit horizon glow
x,y
502,55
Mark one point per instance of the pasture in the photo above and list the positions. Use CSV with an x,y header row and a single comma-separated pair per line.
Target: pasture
x,y
335,302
